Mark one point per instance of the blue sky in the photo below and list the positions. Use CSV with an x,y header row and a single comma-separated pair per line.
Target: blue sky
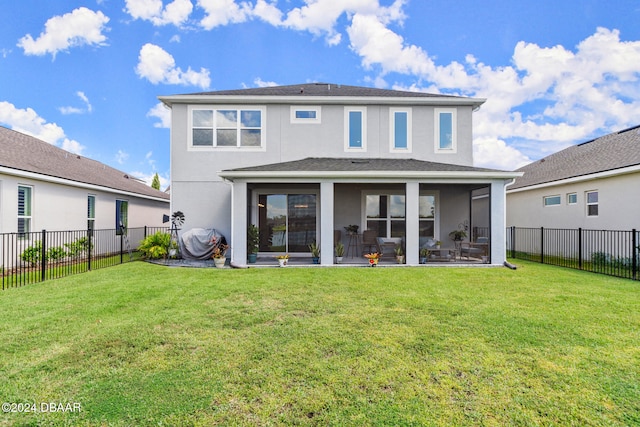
x,y
85,75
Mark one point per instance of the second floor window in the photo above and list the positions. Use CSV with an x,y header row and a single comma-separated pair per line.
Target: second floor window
x,y
24,209
592,203
355,128
445,130
400,130
227,127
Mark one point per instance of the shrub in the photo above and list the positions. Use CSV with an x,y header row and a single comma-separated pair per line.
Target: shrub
x,y
78,247
32,254
56,253
156,245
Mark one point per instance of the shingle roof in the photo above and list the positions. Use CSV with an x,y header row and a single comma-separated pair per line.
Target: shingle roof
x,y
325,164
607,153
26,153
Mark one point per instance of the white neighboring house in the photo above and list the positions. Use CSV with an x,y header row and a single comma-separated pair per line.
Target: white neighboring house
x,y
43,187
593,185
301,161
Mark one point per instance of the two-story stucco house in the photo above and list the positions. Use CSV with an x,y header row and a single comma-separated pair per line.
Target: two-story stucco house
x,y
301,161
592,185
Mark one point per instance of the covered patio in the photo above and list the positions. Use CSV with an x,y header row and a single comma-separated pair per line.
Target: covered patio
x,y
404,202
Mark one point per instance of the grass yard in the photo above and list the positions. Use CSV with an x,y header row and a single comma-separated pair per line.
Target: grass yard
x,y
141,344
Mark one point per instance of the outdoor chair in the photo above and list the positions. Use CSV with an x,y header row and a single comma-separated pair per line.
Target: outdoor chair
x,y
476,249
369,243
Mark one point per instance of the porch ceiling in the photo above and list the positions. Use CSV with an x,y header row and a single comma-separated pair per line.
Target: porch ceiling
x,y
364,168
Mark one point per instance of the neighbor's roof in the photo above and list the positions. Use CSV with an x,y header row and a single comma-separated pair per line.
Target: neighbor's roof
x,y
23,153
364,167
608,153
313,92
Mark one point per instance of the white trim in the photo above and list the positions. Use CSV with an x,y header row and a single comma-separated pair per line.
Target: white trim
x,y
295,120
581,178
236,148
587,204
544,200
569,203
454,130
392,128
372,175
347,146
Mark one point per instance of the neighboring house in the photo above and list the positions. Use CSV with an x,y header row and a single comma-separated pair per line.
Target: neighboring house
x,y
593,185
43,187
304,160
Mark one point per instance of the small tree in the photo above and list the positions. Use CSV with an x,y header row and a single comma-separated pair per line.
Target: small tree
x,y
156,245
156,182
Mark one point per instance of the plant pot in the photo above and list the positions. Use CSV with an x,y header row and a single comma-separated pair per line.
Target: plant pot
x,y
252,258
338,260
399,258
282,262
316,260
423,260
373,262
219,262
172,253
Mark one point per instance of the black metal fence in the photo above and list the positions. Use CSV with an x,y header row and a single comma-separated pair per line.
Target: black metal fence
x,y
612,252
37,256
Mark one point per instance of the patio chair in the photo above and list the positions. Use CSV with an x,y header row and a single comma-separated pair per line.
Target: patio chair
x,y
369,241
476,249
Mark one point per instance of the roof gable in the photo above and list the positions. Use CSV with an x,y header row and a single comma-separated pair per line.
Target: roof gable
x,y
610,152
22,152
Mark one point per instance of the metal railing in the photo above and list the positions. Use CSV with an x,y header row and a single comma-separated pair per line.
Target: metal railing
x,y
38,256
611,252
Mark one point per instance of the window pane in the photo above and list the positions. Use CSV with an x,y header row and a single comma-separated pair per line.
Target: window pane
x,y
592,197
122,216
446,130
250,137
251,118
305,114
226,138
203,137
397,207
376,206
572,199
426,228
380,227
91,207
203,118
226,119
400,130
398,229
355,129
24,225
427,206
301,230
552,200
592,210
24,201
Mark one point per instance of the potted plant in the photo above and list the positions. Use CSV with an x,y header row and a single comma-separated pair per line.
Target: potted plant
x,y
339,252
438,243
253,243
283,260
352,229
458,235
220,255
315,252
424,255
399,254
373,258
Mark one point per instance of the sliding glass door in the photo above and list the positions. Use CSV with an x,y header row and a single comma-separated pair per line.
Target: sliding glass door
x,y
287,222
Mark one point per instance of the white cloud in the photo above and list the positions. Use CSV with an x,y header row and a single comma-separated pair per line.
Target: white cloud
x,y
261,83
76,110
223,12
147,178
177,12
27,121
121,156
496,154
160,111
268,12
158,66
80,27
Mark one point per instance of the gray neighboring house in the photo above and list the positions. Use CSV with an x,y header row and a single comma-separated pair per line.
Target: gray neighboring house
x,y
302,161
45,187
592,185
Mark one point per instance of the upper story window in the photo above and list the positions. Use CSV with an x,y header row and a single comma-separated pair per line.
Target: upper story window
x,y
24,208
91,211
227,127
592,203
304,114
552,200
355,137
445,130
400,137
572,198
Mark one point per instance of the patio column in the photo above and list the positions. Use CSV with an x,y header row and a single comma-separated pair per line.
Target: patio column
x,y
412,239
326,223
498,222
239,223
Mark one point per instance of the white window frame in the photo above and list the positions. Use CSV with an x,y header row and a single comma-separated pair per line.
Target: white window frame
x,y
436,214
297,120
388,220
27,218
569,202
454,130
588,204
550,205
347,146
91,220
238,108
392,129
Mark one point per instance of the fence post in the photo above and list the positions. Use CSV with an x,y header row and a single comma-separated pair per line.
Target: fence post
x,y
542,245
43,256
513,241
579,248
634,258
89,236
145,231
121,246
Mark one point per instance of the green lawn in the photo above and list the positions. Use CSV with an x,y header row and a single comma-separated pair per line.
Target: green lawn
x,y
142,344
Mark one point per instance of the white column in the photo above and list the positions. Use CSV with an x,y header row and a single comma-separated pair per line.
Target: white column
x,y
326,223
239,223
412,239
498,222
